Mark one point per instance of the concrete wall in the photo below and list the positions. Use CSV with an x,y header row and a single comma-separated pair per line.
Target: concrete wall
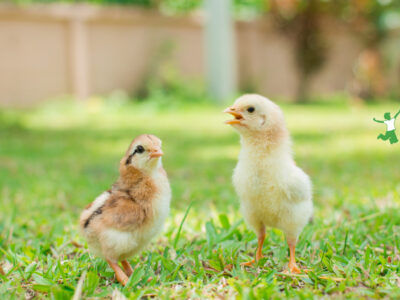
x,y
34,62
80,50
47,51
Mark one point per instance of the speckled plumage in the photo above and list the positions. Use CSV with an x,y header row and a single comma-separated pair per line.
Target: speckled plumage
x,y
123,220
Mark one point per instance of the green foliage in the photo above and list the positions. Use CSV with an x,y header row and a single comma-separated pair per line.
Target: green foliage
x,y
249,8
144,3
180,6
382,14
56,159
301,22
376,17
165,86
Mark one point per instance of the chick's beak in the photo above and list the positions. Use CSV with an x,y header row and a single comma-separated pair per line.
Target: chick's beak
x,y
238,116
156,153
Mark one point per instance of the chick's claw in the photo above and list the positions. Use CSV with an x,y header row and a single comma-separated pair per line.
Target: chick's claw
x,y
252,262
248,263
123,280
293,268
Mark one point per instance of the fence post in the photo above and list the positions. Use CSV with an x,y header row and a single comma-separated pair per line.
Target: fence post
x,y
79,58
220,49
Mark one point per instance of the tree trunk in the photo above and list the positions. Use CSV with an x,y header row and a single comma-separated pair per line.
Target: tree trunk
x,y
302,88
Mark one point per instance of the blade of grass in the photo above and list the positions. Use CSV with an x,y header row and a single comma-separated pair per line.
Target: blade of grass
x,y
345,242
79,287
181,225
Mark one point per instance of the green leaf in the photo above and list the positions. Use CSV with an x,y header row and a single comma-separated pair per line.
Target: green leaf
x,y
224,221
42,281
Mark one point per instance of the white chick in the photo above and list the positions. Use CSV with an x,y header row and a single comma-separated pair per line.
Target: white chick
x,y
123,220
273,190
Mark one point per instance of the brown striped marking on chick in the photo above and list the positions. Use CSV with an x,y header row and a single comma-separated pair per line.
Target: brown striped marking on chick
x,y
125,209
121,221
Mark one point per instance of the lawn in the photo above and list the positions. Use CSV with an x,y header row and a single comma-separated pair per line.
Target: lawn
x,y
56,159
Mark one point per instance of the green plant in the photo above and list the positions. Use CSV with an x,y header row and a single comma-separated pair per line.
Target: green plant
x,y
57,158
372,20
300,20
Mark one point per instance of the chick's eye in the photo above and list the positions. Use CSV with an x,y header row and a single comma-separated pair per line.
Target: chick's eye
x,y
251,109
139,149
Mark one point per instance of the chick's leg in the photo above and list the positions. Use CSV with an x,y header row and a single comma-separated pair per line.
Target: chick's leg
x,y
119,274
261,238
293,268
127,267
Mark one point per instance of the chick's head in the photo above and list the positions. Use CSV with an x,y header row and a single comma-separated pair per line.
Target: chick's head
x,y
143,154
255,114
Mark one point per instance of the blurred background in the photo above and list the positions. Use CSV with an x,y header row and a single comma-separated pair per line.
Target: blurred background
x,y
293,50
80,79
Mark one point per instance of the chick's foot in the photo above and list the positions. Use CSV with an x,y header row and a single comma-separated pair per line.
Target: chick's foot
x,y
248,263
293,268
127,267
119,274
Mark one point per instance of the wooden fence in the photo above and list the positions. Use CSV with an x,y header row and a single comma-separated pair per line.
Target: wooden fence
x,y
52,50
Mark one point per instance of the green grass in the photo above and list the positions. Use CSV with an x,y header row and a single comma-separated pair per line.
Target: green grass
x,y
56,159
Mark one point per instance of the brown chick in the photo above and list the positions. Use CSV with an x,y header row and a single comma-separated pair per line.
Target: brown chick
x,y
123,220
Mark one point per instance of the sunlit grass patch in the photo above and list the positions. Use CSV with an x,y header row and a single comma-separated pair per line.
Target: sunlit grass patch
x,y
57,158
